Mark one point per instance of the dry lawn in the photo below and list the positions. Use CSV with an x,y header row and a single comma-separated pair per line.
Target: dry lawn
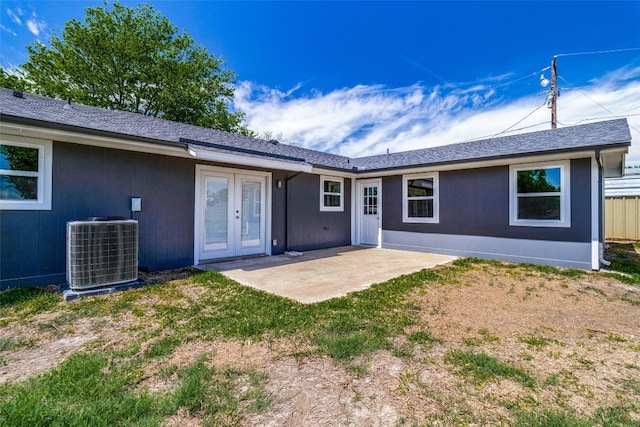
x,y
578,337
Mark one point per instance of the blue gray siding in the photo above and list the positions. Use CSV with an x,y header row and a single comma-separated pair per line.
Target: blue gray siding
x,y
278,209
475,202
308,227
89,181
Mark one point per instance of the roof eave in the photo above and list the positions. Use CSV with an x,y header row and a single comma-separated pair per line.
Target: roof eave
x,y
7,118
496,160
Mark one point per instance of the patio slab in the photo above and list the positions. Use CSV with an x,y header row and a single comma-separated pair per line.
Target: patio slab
x,y
327,273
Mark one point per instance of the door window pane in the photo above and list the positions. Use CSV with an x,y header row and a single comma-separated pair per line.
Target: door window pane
x,y
250,233
216,212
370,201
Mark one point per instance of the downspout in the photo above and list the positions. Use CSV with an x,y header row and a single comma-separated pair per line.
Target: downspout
x,y
601,223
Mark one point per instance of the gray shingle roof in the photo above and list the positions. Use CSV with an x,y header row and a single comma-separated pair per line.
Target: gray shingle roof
x,y
574,138
56,113
152,129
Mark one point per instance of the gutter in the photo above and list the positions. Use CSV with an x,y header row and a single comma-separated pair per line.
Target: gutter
x,y
598,157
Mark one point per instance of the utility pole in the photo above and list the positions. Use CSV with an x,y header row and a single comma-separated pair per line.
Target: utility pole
x,y
554,94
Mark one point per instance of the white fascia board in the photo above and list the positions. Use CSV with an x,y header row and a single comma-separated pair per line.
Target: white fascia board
x,y
613,163
238,159
332,172
91,140
146,147
482,164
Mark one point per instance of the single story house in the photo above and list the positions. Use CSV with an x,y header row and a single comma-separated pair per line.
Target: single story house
x,y
622,206
205,195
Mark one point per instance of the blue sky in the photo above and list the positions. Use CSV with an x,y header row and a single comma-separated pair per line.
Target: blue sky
x,y
358,78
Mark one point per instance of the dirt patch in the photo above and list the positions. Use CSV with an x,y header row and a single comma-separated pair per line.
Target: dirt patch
x,y
26,362
518,303
577,337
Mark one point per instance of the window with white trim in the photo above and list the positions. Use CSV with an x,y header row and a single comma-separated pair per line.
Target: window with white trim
x,y
25,173
331,194
539,195
420,198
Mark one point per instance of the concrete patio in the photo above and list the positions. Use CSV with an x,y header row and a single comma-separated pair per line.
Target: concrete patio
x,y
327,273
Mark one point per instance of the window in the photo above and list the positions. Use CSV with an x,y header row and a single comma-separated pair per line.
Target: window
x,y
331,194
420,198
539,195
25,173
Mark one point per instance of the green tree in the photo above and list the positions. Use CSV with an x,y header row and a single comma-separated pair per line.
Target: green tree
x,y
135,60
13,81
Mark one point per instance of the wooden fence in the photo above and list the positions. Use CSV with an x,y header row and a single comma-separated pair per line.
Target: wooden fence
x,y
622,217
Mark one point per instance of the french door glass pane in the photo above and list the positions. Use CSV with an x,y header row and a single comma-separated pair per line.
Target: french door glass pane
x,y
250,233
216,212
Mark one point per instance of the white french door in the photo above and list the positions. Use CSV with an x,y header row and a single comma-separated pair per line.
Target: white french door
x,y
230,213
369,212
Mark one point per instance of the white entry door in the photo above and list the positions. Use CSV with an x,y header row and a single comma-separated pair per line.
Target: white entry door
x,y
230,214
370,212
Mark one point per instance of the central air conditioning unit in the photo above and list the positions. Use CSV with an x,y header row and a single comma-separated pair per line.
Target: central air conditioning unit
x,y
101,251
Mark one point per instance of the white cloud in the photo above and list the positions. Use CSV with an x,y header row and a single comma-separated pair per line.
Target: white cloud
x,y
8,30
15,15
35,25
365,120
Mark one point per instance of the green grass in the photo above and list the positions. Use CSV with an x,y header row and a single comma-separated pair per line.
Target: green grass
x,y
535,342
107,387
481,367
7,344
614,416
627,261
162,347
86,390
24,302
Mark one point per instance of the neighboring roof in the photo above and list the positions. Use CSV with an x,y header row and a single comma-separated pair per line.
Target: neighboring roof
x,y
47,112
628,185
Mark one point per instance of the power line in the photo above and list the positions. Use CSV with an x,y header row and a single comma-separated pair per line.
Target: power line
x,y
597,52
588,97
519,121
597,103
553,93
535,73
